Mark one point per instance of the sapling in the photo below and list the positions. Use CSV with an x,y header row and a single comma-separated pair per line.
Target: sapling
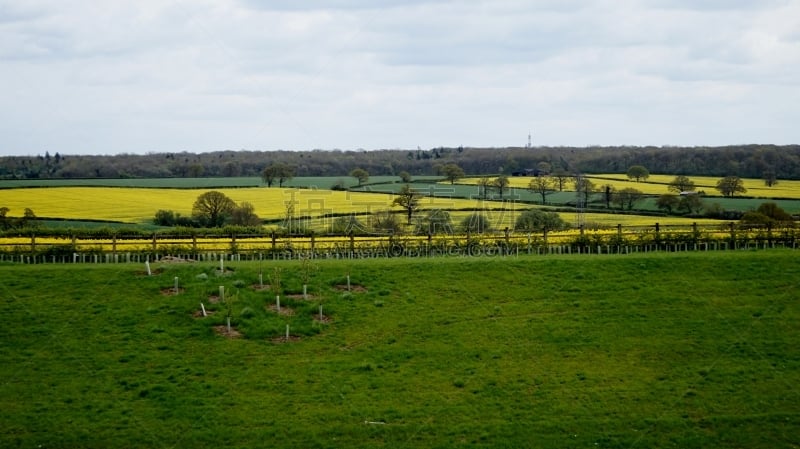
x,y
307,269
275,285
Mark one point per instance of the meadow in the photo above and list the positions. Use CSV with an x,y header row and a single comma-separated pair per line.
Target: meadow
x,y
690,350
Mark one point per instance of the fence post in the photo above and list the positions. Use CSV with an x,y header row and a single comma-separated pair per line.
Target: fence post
x,y
33,244
154,242
194,244
352,244
732,226
114,245
273,242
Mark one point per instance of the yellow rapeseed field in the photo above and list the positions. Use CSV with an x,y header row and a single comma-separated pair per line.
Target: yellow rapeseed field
x,y
138,205
657,184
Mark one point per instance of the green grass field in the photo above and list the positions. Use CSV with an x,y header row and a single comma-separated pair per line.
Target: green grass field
x,y
692,350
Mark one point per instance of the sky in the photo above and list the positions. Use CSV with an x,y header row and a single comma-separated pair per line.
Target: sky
x,y
89,77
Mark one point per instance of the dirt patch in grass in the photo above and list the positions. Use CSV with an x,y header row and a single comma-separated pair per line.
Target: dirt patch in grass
x,y
223,331
324,319
354,288
282,339
199,313
213,299
259,287
173,259
153,272
170,291
285,311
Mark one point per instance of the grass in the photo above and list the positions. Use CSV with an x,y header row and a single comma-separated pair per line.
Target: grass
x,y
685,350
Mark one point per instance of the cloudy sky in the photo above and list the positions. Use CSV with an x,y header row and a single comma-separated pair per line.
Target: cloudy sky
x,y
89,77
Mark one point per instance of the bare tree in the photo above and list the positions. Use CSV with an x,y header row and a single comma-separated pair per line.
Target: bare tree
x,y
408,199
543,185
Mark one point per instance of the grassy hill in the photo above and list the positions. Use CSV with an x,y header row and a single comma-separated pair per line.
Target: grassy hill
x,y
681,350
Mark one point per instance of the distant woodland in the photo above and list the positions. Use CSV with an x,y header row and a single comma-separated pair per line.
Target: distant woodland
x,y
747,161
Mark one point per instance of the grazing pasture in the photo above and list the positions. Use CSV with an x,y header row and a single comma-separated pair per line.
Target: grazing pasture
x,y
661,350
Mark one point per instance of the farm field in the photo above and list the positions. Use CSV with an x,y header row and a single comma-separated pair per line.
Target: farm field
x,y
687,350
317,182
137,205
657,185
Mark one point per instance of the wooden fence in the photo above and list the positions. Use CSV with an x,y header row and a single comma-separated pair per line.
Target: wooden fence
x,y
619,240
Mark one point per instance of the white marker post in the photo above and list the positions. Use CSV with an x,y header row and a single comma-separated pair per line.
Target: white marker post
x,y
203,308
176,285
278,303
348,282
287,332
305,292
222,293
147,266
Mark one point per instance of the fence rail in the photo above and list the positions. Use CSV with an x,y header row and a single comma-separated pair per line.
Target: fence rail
x,y
619,240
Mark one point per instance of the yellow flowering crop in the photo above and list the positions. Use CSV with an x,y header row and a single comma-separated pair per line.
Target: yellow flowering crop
x,y
139,205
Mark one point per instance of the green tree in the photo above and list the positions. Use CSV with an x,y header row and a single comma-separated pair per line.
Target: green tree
x,y
501,183
4,221
386,222
561,177
436,221
680,184
476,224
770,177
691,203
408,199
346,225
667,202
484,184
405,176
360,174
452,172
212,208
195,171
730,185
638,172
627,197
277,171
542,185
28,219
584,188
767,214
244,215
535,220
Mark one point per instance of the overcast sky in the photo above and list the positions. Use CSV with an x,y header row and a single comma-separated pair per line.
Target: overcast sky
x,y
89,77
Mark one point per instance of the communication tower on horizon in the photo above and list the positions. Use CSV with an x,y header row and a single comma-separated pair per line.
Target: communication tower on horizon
x,y
529,140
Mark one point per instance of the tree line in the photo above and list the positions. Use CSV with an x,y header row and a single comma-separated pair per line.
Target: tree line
x,y
746,161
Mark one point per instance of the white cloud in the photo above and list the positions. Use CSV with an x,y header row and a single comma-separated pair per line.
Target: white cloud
x,y
203,75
